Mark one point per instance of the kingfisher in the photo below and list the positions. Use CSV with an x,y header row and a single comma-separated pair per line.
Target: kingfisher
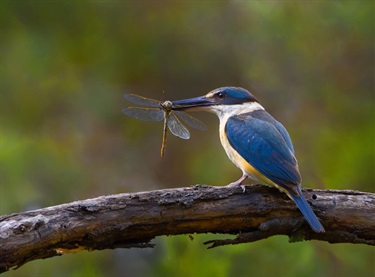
x,y
255,142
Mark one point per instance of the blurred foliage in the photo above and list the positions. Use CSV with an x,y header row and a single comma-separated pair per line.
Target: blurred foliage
x,y
64,66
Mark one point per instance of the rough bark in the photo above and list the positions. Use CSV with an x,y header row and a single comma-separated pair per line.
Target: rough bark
x,y
134,219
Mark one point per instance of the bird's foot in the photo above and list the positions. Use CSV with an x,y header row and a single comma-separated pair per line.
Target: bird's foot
x,y
239,183
235,184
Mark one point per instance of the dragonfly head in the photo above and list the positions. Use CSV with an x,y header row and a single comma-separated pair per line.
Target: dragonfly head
x,y
167,105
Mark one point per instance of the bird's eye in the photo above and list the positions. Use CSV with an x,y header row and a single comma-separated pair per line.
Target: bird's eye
x,y
221,95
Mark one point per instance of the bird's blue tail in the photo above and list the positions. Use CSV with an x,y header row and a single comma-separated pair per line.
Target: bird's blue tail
x,y
307,212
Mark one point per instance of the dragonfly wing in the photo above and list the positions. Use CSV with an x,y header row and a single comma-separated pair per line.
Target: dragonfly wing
x,y
176,127
145,114
142,101
191,121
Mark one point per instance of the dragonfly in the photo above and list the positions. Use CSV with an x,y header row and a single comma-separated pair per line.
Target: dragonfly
x,y
155,110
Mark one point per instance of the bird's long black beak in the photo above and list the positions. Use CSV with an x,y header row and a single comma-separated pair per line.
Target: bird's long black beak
x,y
196,103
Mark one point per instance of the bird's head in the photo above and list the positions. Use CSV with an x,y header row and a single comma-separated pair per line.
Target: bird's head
x,y
221,101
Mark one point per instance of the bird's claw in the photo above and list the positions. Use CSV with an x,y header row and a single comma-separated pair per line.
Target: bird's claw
x,y
237,184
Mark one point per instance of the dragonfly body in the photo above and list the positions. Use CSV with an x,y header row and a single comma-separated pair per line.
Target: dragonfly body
x,y
155,110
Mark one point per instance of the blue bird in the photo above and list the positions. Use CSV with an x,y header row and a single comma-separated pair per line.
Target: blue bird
x,y
255,142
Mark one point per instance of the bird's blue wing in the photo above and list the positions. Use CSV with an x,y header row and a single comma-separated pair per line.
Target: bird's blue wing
x,y
285,135
265,116
266,146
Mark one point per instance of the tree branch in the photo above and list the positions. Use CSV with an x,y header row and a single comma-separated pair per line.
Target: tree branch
x,y
134,219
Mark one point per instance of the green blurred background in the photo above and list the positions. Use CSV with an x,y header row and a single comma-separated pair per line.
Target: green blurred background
x,y
65,65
